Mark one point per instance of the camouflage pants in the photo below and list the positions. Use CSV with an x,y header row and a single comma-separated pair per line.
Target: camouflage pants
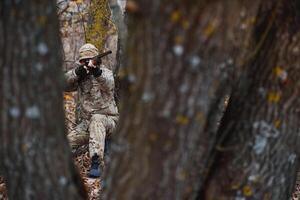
x,y
93,132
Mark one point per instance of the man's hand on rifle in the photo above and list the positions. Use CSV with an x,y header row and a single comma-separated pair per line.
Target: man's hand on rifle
x,y
93,67
81,71
88,66
96,71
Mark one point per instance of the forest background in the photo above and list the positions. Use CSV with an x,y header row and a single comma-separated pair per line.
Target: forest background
x,y
221,122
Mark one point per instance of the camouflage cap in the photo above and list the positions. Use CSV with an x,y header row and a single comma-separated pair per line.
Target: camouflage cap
x,y
88,51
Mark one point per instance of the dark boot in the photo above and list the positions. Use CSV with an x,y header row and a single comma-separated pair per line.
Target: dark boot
x,y
95,171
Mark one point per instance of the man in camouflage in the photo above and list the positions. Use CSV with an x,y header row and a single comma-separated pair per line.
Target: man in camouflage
x,y
97,113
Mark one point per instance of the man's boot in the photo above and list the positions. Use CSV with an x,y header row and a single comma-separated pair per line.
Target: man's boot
x,y
95,171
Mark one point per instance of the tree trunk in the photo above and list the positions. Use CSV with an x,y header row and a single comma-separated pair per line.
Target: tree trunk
x,y
35,155
179,61
118,16
259,134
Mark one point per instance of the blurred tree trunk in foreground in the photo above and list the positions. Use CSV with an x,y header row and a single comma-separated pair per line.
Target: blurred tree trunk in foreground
x,y
35,155
259,145
179,68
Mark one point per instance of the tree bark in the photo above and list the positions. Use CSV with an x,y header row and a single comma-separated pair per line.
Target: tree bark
x,y
259,135
180,56
35,155
118,16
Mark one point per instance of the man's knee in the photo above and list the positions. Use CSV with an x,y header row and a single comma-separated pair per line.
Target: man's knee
x,y
98,118
73,142
77,138
105,123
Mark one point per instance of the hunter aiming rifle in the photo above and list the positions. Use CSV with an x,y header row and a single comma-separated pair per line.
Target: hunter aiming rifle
x,y
83,69
97,59
103,54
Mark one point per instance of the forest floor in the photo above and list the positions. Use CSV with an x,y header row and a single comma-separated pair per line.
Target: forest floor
x,y
3,194
92,185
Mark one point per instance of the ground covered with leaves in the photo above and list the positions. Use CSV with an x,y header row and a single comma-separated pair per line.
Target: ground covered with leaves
x,y
3,194
82,161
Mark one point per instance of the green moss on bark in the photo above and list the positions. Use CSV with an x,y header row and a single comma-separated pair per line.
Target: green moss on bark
x,y
99,23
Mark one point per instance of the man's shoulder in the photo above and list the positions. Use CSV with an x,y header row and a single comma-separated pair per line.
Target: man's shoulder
x,y
105,69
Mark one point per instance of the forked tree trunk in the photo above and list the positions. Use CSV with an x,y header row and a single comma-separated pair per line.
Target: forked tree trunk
x,y
35,155
259,149
179,58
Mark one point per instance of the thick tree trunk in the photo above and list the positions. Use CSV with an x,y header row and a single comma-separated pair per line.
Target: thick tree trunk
x,y
35,155
180,54
258,156
118,16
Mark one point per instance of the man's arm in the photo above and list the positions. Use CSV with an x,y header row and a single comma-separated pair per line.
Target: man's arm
x,y
106,79
71,81
73,76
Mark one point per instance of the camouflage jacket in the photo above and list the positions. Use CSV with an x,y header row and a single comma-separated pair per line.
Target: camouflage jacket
x,y
95,95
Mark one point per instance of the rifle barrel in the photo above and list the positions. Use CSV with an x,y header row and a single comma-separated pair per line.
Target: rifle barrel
x,y
104,54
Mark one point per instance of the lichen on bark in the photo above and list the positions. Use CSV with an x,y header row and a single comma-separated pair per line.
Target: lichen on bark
x,y
99,23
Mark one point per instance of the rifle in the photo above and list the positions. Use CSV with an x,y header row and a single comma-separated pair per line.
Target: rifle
x,y
98,57
102,55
